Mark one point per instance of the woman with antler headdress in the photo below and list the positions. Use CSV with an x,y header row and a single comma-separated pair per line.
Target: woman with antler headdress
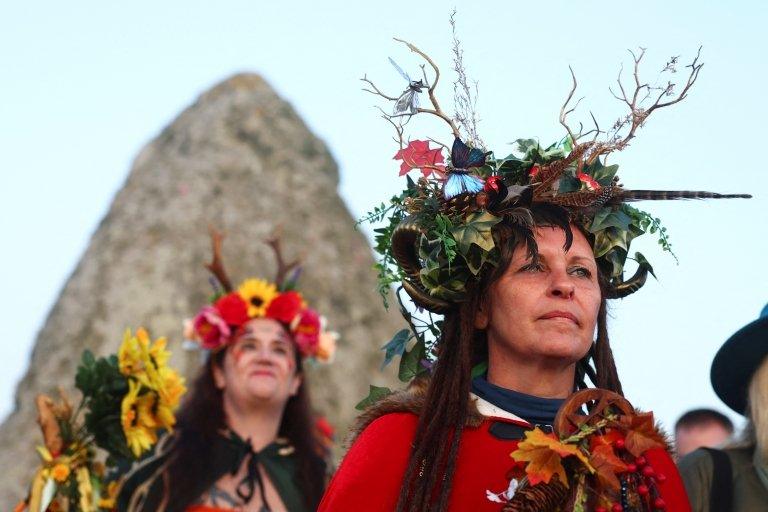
x,y
519,255
245,438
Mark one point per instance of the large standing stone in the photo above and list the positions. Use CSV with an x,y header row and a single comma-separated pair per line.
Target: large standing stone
x,y
241,159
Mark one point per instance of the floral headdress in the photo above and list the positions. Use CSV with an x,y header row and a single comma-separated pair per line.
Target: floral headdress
x,y
438,233
216,324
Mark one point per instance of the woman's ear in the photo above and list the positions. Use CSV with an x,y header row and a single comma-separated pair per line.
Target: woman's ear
x,y
296,383
218,377
482,317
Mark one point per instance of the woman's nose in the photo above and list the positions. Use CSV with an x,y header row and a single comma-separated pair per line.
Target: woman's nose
x,y
561,285
264,355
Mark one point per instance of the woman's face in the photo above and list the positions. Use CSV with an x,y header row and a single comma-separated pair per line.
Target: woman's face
x,y
546,311
260,366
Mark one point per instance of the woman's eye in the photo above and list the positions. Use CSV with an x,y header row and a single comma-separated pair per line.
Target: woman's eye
x,y
581,271
532,267
247,346
280,349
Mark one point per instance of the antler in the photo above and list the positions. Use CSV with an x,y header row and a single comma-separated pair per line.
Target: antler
x,y
638,113
283,268
216,266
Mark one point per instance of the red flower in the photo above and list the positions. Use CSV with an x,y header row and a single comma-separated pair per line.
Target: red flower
x,y
285,307
210,329
417,155
232,309
534,171
324,427
492,184
589,181
306,331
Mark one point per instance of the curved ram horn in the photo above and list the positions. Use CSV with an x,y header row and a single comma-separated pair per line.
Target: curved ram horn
x,y
404,239
624,288
422,298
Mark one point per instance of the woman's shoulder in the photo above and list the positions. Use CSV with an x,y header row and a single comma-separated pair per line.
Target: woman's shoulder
x,y
145,483
396,412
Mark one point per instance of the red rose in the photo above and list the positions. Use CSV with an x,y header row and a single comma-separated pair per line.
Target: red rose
x,y
232,309
306,331
285,307
210,329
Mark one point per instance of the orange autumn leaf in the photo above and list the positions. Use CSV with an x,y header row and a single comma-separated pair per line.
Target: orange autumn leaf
x,y
610,438
642,434
606,465
544,453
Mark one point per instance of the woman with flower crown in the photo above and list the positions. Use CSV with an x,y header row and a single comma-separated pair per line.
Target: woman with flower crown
x,y
245,438
520,256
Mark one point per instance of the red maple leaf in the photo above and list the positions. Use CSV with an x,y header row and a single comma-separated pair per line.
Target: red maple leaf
x,y
418,155
642,433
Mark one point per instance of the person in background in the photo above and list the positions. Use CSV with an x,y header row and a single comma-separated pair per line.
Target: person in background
x,y
736,477
701,428
245,439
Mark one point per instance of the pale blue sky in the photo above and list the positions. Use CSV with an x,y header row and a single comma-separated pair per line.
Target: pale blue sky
x,y
86,84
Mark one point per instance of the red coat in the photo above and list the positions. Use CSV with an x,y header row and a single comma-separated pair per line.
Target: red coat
x,y
370,475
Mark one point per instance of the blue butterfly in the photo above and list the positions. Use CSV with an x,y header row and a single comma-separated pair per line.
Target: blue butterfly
x,y
460,181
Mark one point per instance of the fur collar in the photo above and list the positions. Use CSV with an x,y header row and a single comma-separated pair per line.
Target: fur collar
x,y
411,400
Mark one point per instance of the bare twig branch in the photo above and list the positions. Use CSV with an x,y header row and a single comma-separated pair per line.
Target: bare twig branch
x,y
564,113
436,110
398,127
465,101
638,113
376,90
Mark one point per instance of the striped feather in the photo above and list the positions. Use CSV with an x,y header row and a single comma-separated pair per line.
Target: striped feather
x,y
667,195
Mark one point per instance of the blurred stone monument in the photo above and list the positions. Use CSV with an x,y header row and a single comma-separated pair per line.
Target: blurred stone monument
x,y
242,160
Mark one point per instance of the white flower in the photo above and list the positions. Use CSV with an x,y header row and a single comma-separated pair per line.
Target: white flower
x,y
505,496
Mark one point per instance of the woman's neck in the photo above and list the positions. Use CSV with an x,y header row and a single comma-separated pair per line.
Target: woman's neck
x,y
259,424
544,379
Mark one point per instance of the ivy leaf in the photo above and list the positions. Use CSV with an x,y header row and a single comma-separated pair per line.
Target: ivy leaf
x,y
477,258
602,174
410,363
526,145
375,393
479,369
395,346
607,218
568,144
476,230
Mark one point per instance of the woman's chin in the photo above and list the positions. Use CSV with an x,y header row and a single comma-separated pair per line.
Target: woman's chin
x,y
565,348
262,392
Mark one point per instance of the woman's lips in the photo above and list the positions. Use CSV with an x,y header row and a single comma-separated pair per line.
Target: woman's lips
x,y
561,314
262,373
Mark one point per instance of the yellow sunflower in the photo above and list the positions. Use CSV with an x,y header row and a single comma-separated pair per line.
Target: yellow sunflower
x,y
140,358
257,293
129,354
169,394
138,422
